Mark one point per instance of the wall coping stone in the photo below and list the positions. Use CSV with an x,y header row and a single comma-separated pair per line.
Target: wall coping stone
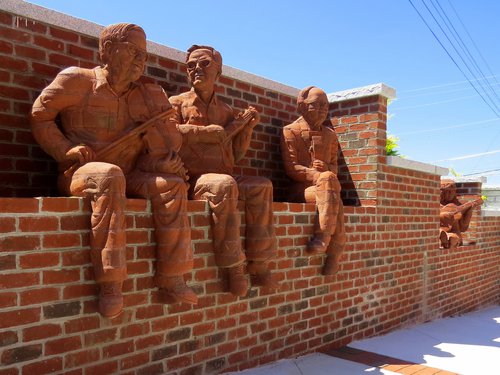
x,y
45,15
397,161
359,92
481,179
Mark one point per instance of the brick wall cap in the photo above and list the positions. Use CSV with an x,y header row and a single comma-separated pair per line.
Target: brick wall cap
x,y
400,162
359,92
480,179
491,187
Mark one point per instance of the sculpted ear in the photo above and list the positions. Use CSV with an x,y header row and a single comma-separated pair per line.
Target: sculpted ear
x,y
106,52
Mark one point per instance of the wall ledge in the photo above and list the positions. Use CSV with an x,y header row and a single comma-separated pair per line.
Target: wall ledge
x,y
400,162
360,92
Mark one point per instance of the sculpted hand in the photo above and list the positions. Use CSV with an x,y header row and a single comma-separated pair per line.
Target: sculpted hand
x,y
81,154
171,163
256,117
320,165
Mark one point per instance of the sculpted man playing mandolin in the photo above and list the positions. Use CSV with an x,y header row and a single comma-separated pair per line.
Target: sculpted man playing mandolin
x,y
454,217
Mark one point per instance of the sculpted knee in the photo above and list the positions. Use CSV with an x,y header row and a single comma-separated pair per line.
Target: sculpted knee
x,y
331,179
109,178
221,186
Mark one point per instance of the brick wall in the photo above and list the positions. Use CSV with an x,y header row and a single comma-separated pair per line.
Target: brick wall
x,y
393,273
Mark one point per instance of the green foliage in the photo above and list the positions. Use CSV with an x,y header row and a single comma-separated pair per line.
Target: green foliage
x,y
391,146
454,173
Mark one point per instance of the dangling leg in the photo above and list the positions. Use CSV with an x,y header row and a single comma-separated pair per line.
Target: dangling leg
x,y
104,185
260,244
168,194
221,192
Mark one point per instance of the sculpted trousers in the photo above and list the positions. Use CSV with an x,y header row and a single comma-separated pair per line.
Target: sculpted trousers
x,y
330,219
105,185
222,193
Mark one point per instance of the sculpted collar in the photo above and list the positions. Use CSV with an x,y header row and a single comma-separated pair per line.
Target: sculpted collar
x,y
101,81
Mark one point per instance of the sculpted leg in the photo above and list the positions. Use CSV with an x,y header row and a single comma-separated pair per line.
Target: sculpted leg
x,y
221,192
327,198
260,245
168,194
337,244
104,185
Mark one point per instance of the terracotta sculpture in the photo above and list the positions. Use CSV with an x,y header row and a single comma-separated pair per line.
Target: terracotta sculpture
x,y
309,147
213,141
103,158
454,217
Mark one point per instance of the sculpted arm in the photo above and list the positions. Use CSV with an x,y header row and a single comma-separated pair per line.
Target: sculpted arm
x,y
293,167
243,126
61,94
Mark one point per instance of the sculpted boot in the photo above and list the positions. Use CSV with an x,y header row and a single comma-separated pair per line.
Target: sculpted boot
x,y
331,266
261,276
110,298
237,281
174,289
318,244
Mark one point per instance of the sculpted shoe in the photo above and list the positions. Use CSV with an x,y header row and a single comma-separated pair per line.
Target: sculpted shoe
x,y
261,276
316,246
110,299
174,289
331,266
237,281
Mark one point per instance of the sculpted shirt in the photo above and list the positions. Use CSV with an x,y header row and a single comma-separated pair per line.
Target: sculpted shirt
x,y
300,146
92,114
201,157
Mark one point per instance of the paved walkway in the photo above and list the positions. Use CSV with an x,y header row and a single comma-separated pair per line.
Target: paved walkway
x,y
467,345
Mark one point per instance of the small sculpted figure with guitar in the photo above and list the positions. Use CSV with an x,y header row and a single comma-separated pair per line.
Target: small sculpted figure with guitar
x,y
454,217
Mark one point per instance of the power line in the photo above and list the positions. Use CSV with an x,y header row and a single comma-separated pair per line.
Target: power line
x,y
448,84
484,173
451,57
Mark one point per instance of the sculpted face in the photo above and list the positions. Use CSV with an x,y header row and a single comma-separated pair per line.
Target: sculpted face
x,y
202,69
128,59
315,107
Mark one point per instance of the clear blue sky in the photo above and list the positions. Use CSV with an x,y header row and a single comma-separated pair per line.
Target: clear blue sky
x,y
342,44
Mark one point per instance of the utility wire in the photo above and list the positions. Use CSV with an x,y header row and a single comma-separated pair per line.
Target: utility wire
x,y
452,59
463,61
472,40
461,43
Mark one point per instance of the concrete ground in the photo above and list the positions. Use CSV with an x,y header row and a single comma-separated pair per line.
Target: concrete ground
x,y
467,345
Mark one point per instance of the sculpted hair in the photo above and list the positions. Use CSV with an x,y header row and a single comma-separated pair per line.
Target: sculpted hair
x,y
215,54
303,94
116,33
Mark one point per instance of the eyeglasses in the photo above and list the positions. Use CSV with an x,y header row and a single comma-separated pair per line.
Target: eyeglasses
x,y
201,63
133,50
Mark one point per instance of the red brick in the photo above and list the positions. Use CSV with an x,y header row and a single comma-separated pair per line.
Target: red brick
x,y
99,337
6,47
61,204
29,52
19,317
165,323
80,290
14,35
45,69
118,349
41,332
75,257
102,368
16,65
8,299
18,280
36,296
47,366
70,36
63,276
149,341
148,312
179,362
57,241
18,205
66,344
81,324
62,60
81,358
134,360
